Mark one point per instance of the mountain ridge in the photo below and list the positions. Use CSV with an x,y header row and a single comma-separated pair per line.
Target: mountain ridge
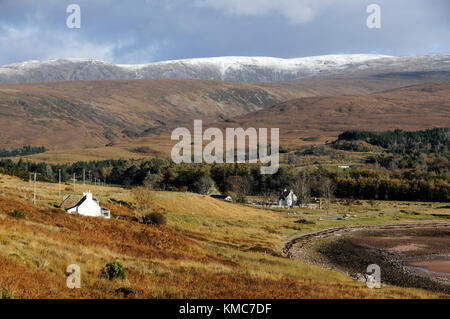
x,y
234,69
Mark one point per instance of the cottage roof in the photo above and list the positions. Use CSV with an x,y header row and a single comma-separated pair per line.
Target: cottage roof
x,y
284,194
68,203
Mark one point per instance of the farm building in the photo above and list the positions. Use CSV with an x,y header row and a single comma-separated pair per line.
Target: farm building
x,y
287,199
89,206
222,197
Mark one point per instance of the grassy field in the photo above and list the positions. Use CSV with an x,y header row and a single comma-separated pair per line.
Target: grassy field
x,y
208,249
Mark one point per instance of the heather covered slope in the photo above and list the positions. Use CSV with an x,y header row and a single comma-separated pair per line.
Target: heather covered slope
x,y
92,114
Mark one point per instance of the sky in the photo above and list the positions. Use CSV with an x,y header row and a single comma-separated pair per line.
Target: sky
x,y
144,31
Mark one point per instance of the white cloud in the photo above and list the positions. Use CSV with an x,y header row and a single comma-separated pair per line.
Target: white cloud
x,y
296,11
141,54
73,48
31,43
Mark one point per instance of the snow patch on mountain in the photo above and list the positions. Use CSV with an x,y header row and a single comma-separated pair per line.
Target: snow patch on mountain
x,y
236,63
222,63
229,68
35,64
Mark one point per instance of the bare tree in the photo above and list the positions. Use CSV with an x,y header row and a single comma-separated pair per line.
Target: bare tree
x,y
143,199
302,188
269,197
49,172
152,181
327,189
240,186
204,184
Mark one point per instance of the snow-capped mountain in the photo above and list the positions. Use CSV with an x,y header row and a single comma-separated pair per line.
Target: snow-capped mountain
x,y
61,70
248,69
244,69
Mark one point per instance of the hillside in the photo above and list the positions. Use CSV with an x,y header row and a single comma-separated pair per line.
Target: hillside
x,y
208,249
316,120
92,114
410,108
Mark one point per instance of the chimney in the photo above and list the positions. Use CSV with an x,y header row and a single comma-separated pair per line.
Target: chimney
x,y
88,195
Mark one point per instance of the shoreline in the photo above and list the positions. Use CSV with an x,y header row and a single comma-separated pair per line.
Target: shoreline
x,y
401,251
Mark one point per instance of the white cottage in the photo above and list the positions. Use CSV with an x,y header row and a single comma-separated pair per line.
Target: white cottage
x,y
287,199
89,206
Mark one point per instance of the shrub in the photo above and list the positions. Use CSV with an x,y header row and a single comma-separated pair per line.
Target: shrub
x,y
143,197
142,150
303,221
17,213
5,294
204,184
241,198
349,201
114,270
154,219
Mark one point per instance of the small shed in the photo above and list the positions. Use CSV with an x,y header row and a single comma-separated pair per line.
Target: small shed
x,y
222,197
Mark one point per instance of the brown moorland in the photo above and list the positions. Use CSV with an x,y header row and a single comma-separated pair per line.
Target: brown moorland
x,y
91,114
305,121
315,120
410,108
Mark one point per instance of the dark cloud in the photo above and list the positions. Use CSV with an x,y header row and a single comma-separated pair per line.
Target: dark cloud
x,y
142,31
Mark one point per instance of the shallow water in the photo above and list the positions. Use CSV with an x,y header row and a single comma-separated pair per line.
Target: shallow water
x,y
438,267
430,272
